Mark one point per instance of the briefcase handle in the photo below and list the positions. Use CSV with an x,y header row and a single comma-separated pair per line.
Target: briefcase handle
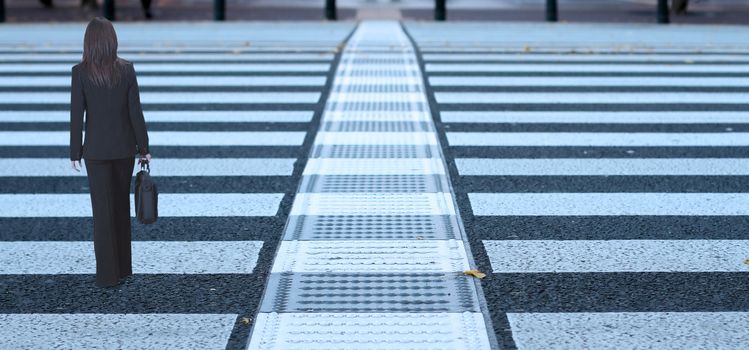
x,y
144,165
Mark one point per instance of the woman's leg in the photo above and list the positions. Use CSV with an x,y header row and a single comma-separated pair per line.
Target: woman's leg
x,y
102,204
123,172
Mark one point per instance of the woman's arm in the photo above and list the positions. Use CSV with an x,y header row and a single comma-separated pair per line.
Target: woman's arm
x,y
136,114
77,108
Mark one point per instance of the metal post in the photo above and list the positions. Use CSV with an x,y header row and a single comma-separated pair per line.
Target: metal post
x,y
2,11
440,10
552,15
109,9
331,12
663,11
219,10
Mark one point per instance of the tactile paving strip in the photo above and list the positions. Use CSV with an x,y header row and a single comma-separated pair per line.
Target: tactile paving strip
x,y
375,138
377,89
378,126
353,166
371,256
369,292
374,183
373,204
370,331
396,106
380,116
375,151
357,227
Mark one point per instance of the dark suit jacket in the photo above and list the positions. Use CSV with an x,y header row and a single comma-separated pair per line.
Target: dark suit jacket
x,y
114,126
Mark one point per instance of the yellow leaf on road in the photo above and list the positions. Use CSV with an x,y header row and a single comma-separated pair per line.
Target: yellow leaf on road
x,y
475,273
746,261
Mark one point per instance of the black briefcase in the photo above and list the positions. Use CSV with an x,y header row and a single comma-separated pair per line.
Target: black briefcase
x,y
146,195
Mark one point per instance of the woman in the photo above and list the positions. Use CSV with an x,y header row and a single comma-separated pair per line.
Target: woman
x,y
105,87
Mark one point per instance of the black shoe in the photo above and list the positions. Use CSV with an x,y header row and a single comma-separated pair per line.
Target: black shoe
x,y
148,14
108,285
46,3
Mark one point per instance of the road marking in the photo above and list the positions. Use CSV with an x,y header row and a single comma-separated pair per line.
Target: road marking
x,y
597,139
721,82
149,257
173,97
170,204
178,67
603,167
166,167
171,81
173,116
596,204
592,97
584,256
620,330
585,57
176,56
588,68
660,117
105,331
166,138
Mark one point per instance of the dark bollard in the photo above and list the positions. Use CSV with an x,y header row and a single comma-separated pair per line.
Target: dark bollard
x,y
440,10
330,10
109,9
552,14
663,11
2,11
219,10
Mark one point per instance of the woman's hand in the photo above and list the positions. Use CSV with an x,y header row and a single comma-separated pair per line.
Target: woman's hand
x,y
147,157
76,164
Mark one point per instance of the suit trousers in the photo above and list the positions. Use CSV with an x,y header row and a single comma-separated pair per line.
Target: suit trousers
x,y
109,184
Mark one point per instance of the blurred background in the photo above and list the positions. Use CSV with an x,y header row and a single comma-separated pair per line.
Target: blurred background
x,y
697,12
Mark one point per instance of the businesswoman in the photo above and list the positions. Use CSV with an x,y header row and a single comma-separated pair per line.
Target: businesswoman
x,y
105,88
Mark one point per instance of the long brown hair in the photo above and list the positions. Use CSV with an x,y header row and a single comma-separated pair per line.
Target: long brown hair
x,y
100,58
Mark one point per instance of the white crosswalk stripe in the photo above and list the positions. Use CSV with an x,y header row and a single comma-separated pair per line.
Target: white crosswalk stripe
x,y
617,256
201,257
170,204
597,139
198,98
602,117
99,331
177,67
166,138
604,169
589,97
173,116
167,167
619,68
172,81
617,330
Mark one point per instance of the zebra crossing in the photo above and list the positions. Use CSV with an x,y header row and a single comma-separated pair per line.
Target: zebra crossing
x,y
230,110
600,175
